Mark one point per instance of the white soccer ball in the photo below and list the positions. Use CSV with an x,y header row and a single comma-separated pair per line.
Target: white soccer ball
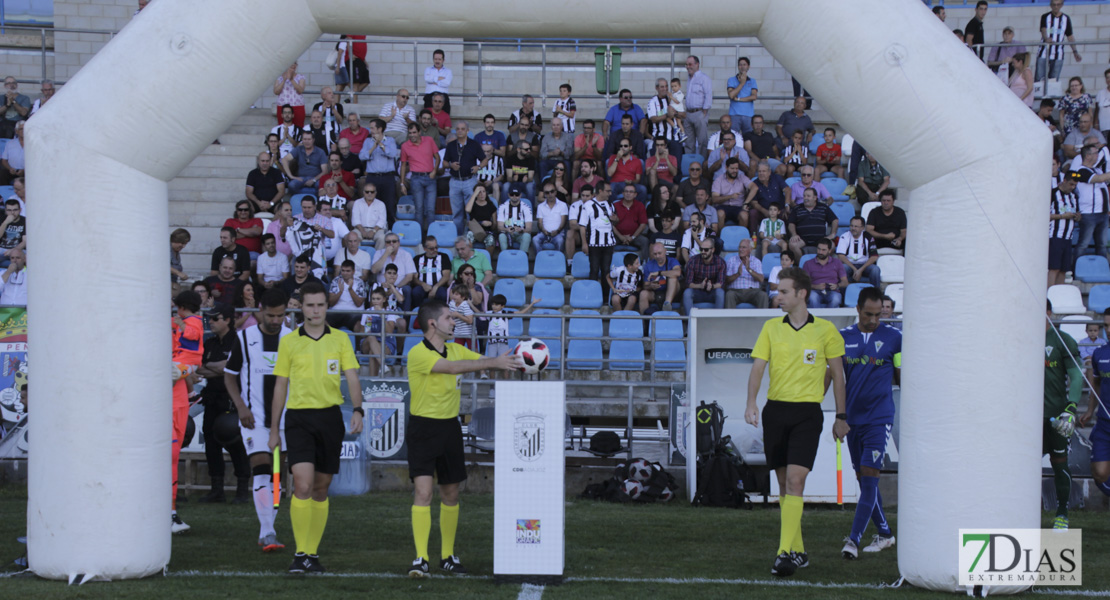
x,y
666,495
535,355
632,488
639,470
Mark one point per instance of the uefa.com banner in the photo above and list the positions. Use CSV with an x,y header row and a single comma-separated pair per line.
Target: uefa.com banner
x,y
1021,557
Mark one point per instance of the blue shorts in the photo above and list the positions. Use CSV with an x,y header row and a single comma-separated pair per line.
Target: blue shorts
x,y
1100,442
867,445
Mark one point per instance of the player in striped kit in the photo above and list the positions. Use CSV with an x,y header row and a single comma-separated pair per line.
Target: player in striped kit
x,y
249,377
872,357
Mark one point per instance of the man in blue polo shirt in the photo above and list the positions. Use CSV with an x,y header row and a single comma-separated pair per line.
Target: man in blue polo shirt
x,y
873,355
624,107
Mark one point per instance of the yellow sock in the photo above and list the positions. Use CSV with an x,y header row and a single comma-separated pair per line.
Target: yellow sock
x,y
319,512
300,513
448,524
421,529
797,545
790,522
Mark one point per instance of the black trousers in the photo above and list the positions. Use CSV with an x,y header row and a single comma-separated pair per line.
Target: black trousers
x,y
600,258
214,406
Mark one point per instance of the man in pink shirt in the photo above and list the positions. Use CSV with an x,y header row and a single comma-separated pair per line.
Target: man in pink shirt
x,y
419,162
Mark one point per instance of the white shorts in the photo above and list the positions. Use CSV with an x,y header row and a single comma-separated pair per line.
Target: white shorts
x,y
257,440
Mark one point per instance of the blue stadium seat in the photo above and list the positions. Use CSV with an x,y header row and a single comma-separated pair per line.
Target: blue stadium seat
x,y
618,259
406,209
6,191
544,326
844,212
584,327
585,294
555,349
513,290
584,355
793,180
806,258
1098,299
489,258
827,175
445,233
1092,268
770,261
580,266
669,355
688,159
815,142
512,263
409,232
550,292
836,186
295,202
626,348
3,143
409,343
669,329
851,295
732,235
550,265
516,330
626,328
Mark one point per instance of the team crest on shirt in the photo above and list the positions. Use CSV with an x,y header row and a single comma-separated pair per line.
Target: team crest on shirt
x,y
875,455
333,367
878,346
810,357
1047,351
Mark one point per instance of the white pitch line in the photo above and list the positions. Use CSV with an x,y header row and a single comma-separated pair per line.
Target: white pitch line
x,y
530,592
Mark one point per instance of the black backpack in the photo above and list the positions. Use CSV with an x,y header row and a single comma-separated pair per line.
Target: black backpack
x,y
710,419
724,478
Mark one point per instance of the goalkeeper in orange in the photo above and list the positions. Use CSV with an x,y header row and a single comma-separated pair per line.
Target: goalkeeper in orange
x,y
188,347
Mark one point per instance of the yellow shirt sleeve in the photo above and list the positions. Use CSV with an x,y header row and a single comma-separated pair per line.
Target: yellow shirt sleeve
x,y
281,367
762,349
347,359
834,342
463,353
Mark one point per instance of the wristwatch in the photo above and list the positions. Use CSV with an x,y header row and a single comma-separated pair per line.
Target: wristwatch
x,y
359,410
842,416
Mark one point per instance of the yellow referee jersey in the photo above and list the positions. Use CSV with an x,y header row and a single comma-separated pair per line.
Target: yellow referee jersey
x,y
435,395
798,357
314,367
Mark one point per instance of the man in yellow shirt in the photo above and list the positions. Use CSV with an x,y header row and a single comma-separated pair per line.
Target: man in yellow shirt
x,y
799,348
434,435
308,367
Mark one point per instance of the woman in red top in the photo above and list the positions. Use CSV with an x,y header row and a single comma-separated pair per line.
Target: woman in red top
x,y
828,155
248,228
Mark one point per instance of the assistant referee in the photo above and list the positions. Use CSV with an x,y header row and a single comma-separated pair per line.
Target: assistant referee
x,y
434,435
308,365
799,348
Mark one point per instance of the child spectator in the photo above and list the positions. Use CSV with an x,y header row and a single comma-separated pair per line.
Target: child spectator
x,y
625,282
828,155
395,297
787,261
462,313
678,103
377,322
797,154
498,327
564,108
1088,346
772,231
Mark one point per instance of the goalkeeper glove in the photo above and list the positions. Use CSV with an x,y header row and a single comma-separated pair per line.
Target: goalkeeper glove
x,y
1064,424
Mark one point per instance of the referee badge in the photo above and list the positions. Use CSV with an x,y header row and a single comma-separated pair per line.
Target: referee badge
x,y
810,357
333,367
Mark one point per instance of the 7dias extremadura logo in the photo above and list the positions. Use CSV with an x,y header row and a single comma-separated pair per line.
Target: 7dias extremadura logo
x,y
1021,556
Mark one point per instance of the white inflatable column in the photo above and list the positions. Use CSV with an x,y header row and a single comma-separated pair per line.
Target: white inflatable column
x,y
976,161
99,156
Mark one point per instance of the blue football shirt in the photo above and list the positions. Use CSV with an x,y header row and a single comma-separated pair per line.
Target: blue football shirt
x,y
1100,364
869,373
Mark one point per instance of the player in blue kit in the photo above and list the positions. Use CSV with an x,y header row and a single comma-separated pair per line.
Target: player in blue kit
x,y
873,354
1100,436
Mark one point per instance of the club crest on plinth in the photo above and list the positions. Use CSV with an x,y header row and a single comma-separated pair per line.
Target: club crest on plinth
x,y
529,431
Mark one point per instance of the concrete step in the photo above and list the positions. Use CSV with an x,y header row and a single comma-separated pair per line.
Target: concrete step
x,y
250,150
254,139
229,192
188,184
231,173
243,164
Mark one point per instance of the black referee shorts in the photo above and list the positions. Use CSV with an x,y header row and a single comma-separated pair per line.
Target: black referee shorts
x,y
791,432
315,435
435,448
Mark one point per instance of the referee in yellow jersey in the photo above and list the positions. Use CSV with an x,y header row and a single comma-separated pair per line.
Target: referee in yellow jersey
x,y
799,348
434,435
309,363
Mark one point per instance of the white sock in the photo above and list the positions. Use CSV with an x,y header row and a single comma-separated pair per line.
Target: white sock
x,y
264,505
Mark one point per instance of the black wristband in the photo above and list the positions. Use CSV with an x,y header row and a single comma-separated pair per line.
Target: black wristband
x,y
842,416
359,410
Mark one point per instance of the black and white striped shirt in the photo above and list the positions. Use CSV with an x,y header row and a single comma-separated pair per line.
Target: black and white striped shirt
x,y
596,217
1057,30
624,282
793,156
493,169
856,250
1062,203
658,106
429,270
252,359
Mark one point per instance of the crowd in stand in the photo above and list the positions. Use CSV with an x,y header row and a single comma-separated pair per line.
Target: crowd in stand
x,y
17,109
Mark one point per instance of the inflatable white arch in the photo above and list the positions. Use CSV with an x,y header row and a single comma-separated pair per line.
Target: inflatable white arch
x,y
102,152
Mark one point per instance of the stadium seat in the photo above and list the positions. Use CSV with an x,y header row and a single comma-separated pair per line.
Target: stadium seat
x,y
688,159
827,175
550,265
836,186
851,295
815,143
545,327
6,191
585,327
792,180
295,202
626,348
732,235
1092,268
618,259
409,232
667,329
1077,328
555,351
896,290
626,328
550,292
512,263
513,290
893,268
580,266
867,208
844,213
406,209
584,354
1098,299
481,429
489,258
806,258
770,261
410,342
669,355
585,294
445,233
